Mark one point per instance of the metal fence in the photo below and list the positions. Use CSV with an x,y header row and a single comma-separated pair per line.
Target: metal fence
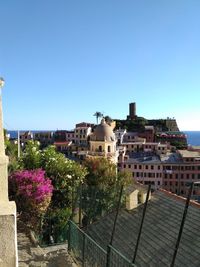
x,y
90,254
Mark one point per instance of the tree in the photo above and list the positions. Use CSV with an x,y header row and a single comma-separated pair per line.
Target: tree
x,y
65,175
100,171
31,157
100,192
98,115
11,150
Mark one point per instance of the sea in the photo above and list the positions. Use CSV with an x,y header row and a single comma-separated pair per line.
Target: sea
x,y
193,137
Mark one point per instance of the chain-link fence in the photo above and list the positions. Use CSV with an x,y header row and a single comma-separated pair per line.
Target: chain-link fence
x,y
90,254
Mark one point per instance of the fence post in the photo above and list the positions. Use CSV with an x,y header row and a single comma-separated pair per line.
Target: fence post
x,y
83,249
141,224
69,236
187,203
114,226
108,256
80,206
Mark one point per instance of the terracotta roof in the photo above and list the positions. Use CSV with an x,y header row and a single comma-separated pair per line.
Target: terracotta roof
x,y
62,143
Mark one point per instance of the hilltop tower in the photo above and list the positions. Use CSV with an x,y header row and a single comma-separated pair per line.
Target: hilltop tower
x,y
132,111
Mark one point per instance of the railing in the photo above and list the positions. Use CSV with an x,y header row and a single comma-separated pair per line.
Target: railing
x,y
90,254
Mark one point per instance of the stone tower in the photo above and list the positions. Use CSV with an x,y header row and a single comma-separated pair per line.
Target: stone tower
x,y
8,233
132,111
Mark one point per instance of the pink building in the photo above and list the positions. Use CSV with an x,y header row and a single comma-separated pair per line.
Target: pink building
x,y
170,171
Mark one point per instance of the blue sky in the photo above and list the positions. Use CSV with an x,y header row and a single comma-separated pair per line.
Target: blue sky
x,y
63,60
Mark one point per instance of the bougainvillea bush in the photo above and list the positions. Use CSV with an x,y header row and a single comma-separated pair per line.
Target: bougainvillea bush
x,y
32,192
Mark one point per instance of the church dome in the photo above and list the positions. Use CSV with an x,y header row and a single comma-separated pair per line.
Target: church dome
x,y
103,132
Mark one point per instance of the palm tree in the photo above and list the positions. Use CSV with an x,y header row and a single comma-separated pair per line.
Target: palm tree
x,y
98,115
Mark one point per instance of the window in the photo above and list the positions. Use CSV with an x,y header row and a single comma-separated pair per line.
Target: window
x,y
152,167
129,166
109,150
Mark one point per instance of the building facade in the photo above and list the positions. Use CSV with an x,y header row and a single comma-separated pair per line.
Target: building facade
x,y
103,142
170,171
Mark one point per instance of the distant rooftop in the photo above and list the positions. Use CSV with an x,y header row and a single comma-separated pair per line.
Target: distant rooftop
x,y
189,154
171,158
144,157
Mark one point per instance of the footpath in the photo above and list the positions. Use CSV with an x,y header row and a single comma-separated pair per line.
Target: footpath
x,y
30,255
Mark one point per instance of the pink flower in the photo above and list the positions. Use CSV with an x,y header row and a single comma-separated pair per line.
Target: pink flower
x,y
33,185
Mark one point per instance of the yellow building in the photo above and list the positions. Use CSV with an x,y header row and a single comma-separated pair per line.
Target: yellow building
x,y
103,142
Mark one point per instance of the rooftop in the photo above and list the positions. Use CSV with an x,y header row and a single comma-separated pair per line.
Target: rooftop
x,y
145,157
189,154
171,158
160,230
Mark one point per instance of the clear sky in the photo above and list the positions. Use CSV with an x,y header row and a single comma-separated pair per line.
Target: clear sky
x,y
63,60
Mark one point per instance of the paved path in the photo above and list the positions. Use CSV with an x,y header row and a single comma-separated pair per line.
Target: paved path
x,y
32,256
